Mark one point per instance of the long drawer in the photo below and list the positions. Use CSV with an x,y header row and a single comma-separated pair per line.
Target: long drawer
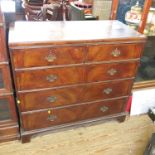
x,y
48,56
46,118
72,95
46,78
113,52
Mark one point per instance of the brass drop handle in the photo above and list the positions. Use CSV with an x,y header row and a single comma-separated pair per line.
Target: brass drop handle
x,y
116,52
107,91
50,57
51,78
104,108
51,99
50,116
112,71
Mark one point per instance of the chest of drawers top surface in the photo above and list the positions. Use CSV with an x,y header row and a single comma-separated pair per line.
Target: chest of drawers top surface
x,y
51,33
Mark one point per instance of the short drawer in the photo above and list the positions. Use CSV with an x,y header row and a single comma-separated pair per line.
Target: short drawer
x,y
113,52
5,79
111,71
47,118
3,55
48,56
46,78
107,90
73,95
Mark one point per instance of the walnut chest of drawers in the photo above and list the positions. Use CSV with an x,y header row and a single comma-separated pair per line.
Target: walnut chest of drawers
x,y
72,73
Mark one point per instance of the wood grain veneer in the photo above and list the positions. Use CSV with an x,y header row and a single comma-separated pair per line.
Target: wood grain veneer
x,y
28,79
70,114
127,51
49,56
43,78
72,95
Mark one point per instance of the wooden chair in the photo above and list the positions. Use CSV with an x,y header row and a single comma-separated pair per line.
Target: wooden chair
x,y
105,9
31,9
52,12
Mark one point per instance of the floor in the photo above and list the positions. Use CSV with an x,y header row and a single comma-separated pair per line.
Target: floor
x,y
109,138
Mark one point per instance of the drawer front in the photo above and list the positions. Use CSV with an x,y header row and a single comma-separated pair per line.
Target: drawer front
x,y
7,109
46,78
111,71
3,56
5,79
78,94
47,118
107,90
113,52
48,56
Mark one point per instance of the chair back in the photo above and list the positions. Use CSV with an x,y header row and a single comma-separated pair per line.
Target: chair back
x,y
102,9
76,13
